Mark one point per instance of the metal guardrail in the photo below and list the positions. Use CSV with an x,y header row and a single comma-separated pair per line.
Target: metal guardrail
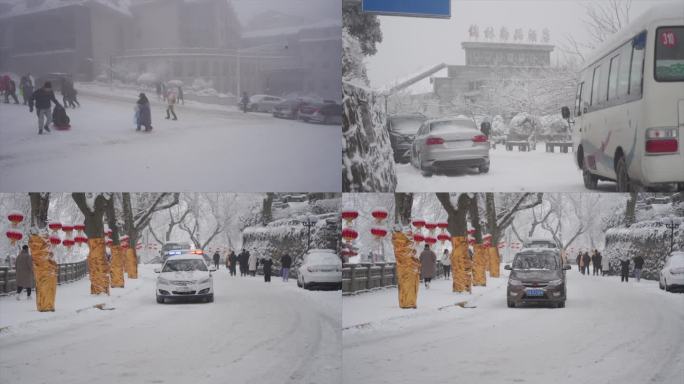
x,y
364,277
67,272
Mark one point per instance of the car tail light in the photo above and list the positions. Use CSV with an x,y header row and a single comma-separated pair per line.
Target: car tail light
x,y
662,140
480,139
434,141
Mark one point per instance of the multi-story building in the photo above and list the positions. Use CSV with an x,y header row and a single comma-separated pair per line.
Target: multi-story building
x,y
69,36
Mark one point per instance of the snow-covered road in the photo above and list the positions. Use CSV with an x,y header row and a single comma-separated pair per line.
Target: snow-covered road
x,y
207,149
510,171
610,332
253,333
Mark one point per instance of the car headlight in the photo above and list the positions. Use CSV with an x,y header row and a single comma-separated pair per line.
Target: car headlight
x,y
162,280
514,282
205,280
556,282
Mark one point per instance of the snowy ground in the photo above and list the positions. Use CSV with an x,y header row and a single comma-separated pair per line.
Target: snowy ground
x,y
210,148
253,333
510,171
610,332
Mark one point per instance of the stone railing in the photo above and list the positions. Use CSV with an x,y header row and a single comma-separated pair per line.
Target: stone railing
x,y
67,273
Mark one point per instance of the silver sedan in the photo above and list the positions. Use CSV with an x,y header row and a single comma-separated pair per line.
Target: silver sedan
x,y
449,144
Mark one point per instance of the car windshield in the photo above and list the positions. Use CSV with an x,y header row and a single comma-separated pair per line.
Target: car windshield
x,y
406,125
184,265
451,125
546,261
322,259
669,54
175,246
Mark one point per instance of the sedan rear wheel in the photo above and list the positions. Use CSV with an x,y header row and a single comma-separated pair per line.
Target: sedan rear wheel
x,y
424,171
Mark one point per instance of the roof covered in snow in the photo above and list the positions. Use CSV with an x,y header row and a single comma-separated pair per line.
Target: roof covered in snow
x,y
25,7
292,30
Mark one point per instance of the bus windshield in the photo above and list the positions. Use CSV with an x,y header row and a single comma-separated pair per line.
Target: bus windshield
x,y
669,54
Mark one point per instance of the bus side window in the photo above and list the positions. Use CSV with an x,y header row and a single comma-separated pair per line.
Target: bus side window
x,y
636,73
612,78
596,79
578,100
623,71
603,82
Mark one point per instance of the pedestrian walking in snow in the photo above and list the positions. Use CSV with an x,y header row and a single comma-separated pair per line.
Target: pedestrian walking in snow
x,y
267,264
24,272
605,265
244,102
42,99
579,261
244,262
217,258
638,265
143,113
252,263
69,94
428,259
624,270
170,105
595,262
26,86
586,259
446,264
158,87
232,260
11,91
285,265
181,99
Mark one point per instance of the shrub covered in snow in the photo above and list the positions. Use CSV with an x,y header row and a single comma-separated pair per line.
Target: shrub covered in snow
x,y
525,125
367,158
649,238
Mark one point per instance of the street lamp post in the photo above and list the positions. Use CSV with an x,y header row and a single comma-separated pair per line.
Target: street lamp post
x,y
308,224
672,225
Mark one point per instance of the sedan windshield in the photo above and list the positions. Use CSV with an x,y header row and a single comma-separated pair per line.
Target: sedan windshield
x,y
451,125
184,266
547,261
406,125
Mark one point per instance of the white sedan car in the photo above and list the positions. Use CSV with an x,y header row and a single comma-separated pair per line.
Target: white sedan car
x,y
185,276
320,268
672,274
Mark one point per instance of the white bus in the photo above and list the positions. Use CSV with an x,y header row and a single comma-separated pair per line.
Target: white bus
x,y
629,107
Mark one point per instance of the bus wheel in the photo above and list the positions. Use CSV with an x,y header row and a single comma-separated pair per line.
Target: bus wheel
x,y
590,180
623,182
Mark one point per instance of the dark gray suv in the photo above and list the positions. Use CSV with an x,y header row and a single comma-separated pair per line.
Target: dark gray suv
x,y
537,277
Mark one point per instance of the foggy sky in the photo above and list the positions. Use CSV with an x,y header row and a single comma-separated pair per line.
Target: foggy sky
x,y
412,44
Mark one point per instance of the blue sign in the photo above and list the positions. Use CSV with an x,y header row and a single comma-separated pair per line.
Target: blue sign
x,y
417,8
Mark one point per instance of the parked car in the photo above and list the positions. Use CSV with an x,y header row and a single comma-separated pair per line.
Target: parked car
x,y
263,103
449,144
672,274
185,276
320,268
402,130
289,109
537,276
326,113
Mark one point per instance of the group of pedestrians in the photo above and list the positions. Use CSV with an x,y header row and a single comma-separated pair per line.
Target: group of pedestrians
x,y
593,264
624,268
248,262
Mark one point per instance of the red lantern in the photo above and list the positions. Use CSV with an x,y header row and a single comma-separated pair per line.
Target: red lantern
x,y
502,245
349,215
471,240
79,227
442,225
68,243
471,231
124,245
379,214
349,253
430,226
80,240
430,240
138,246
67,229
418,238
379,232
15,217
443,237
349,234
55,226
109,242
14,236
55,240
108,232
418,223
487,236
